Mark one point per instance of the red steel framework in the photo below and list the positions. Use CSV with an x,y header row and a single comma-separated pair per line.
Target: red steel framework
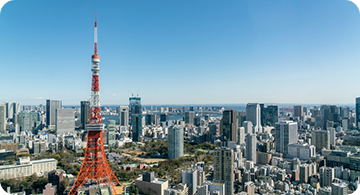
x,y
95,168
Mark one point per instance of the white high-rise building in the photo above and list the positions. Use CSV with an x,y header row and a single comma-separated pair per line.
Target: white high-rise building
x,y
248,127
241,135
253,114
64,120
123,116
251,147
332,135
285,134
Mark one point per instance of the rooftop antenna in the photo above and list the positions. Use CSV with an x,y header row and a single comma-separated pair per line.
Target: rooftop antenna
x,y
138,93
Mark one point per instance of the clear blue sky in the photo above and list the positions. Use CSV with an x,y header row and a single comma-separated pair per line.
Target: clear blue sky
x,y
182,52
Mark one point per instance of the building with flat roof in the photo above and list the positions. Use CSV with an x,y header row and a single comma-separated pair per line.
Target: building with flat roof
x,y
155,185
64,120
51,106
25,168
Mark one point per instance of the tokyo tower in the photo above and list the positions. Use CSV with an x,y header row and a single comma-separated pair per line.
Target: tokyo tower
x,y
95,168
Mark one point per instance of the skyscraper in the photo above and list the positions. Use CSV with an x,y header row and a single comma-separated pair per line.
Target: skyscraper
x,y
253,114
250,141
223,168
64,120
85,111
123,116
320,139
110,129
229,125
241,135
9,110
175,141
357,112
2,118
248,127
269,115
28,121
51,106
298,111
285,134
189,117
136,117
190,177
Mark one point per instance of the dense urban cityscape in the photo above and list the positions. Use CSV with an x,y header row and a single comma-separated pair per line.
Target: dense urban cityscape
x,y
198,149
204,150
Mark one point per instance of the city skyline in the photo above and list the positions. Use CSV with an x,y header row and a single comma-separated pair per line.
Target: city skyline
x,y
203,52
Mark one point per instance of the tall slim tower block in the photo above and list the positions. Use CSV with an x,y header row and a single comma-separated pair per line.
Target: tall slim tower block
x,y
251,141
95,168
223,168
123,116
357,112
85,111
229,125
2,118
51,106
253,114
176,141
136,118
298,111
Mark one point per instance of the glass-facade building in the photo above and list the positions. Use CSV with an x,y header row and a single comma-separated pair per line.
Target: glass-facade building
x,y
28,120
51,106
176,141
285,134
85,113
136,117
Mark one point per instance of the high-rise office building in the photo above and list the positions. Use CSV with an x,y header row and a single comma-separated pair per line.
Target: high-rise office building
x,y
2,118
150,119
304,173
327,175
136,118
286,132
64,120
189,117
332,135
298,111
223,168
229,125
241,135
269,115
51,106
253,114
28,121
110,130
16,107
164,117
248,127
175,141
190,177
9,110
123,116
241,116
84,111
251,141
320,139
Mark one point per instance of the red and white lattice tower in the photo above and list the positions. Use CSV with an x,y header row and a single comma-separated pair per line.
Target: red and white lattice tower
x,y
95,168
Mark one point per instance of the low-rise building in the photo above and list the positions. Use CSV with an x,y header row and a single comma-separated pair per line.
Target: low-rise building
x,y
25,168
